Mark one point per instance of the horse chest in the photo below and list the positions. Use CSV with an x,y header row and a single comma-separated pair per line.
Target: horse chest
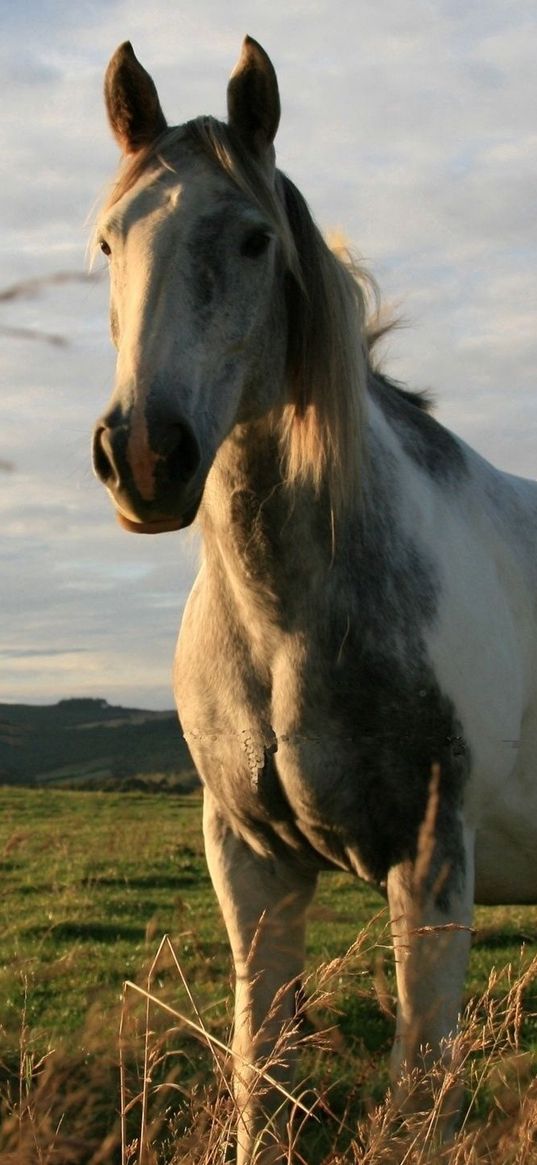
x,y
333,763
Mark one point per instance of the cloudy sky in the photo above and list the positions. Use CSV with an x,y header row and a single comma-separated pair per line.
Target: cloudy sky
x,y
410,126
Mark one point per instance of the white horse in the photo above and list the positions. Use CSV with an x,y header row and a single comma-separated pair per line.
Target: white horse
x,y
365,615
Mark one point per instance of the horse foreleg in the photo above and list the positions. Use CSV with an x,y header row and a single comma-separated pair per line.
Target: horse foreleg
x,y
431,936
263,901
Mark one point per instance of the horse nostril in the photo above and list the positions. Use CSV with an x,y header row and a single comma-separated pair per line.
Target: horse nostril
x,y
184,458
102,460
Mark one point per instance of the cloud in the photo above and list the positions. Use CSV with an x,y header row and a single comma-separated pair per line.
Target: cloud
x,y
39,653
27,71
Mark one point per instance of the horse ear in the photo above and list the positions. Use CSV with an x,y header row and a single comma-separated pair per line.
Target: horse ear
x,y
132,101
253,100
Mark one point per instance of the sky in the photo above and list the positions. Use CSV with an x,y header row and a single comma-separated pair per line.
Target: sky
x,y
410,127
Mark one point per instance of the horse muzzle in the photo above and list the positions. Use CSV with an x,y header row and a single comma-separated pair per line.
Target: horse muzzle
x,y
152,476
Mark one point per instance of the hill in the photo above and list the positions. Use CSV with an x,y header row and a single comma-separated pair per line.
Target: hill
x,y
90,743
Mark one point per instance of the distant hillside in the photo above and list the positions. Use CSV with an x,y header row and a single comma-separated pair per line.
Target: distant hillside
x,y
86,742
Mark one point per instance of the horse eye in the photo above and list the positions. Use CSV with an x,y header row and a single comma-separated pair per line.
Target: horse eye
x,y
106,250
255,243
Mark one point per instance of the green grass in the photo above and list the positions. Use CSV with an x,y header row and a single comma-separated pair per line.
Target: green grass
x,y
90,883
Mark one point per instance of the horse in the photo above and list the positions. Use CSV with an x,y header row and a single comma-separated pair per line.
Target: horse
x,y
358,652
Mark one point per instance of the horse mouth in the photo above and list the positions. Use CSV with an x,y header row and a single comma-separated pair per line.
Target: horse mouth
x,y
158,525
149,527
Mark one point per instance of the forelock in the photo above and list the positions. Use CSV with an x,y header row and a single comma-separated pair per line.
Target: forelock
x,y
218,143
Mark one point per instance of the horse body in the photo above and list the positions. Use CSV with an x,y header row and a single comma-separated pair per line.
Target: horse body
x,y
310,737
308,635
483,649
357,658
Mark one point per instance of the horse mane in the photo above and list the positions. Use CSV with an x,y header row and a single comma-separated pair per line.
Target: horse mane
x,y
333,311
327,361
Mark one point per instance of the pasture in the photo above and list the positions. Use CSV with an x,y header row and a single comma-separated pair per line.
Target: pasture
x,y
91,882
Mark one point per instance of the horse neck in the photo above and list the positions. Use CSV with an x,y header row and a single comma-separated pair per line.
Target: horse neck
x,y
260,535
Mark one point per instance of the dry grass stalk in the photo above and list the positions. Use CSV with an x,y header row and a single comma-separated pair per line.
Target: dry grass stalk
x,y
184,1119
486,1056
28,289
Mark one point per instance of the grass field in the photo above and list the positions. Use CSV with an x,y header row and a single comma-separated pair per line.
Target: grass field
x,y
91,882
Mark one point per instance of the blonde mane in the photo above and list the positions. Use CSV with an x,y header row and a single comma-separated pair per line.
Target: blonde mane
x,y
333,315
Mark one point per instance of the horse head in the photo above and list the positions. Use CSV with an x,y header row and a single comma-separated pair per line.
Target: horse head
x,y
198,247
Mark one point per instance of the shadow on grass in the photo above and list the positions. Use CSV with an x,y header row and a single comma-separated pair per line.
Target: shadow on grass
x,y
101,932
152,881
502,940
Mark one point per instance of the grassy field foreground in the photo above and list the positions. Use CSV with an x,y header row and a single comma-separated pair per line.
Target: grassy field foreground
x,y
90,884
